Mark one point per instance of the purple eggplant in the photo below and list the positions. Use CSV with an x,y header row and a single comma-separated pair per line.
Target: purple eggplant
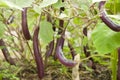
x,y
25,29
60,56
85,31
60,32
59,45
72,51
38,57
6,53
61,25
50,48
106,19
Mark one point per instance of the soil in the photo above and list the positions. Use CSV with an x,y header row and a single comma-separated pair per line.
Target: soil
x,y
57,71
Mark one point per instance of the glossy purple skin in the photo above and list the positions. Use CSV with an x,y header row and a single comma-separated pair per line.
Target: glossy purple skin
x,y
72,51
106,19
6,53
60,56
4,50
85,31
25,29
51,48
101,4
38,57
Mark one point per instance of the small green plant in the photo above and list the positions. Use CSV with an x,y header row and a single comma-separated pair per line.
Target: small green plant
x,y
8,71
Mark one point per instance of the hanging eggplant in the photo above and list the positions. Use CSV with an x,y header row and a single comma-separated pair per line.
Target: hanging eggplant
x,y
38,57
50,48
6,53
106,19
59,45
25,29
60,56
72,51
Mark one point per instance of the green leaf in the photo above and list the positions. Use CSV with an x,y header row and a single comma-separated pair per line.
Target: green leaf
x,y
116,17
23,3
2,29
3,4
9,4
1,76
46,32
58,4
104,39
37,9
47,3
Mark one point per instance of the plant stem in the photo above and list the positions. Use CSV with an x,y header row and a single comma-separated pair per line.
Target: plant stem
x,y
118,70
114,64
30,48
116,6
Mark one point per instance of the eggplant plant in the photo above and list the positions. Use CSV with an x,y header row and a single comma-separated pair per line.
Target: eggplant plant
x,y
32,45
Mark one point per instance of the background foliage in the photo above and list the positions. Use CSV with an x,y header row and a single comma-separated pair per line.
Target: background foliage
x,y
78,14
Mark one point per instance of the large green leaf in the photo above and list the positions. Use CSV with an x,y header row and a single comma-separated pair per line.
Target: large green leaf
x,y
58,4
46,3
37,9
1,76
3,3
16,4
2,29
46,32
105,40
23,3
9,4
